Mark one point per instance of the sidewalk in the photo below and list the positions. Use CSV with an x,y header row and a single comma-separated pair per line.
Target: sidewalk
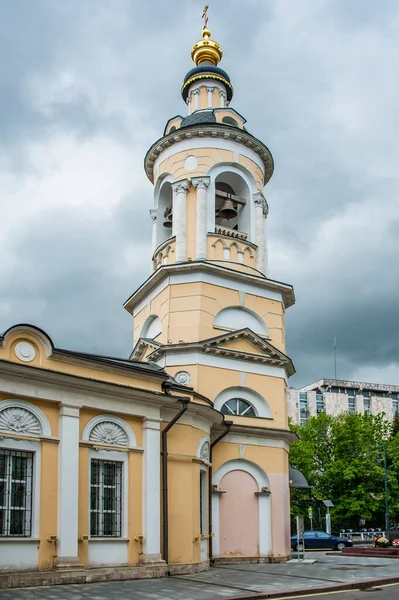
x,y
233,581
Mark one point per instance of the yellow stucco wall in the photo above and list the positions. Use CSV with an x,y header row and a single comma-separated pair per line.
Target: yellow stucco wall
x,y
188,310
183,496
48,503
207,158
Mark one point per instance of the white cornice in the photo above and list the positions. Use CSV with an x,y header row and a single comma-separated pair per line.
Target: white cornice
x,y
214,130
224,273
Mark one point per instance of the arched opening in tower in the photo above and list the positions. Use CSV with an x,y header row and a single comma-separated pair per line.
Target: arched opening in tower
x,y
231,203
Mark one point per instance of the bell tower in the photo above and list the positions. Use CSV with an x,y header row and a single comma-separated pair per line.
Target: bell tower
x,y
209,173
209,241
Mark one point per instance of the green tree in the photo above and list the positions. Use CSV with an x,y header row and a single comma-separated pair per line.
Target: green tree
x,y
338,456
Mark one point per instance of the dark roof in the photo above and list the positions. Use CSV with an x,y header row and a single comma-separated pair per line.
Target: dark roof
x,y
297,479
198,117
207,70
112,360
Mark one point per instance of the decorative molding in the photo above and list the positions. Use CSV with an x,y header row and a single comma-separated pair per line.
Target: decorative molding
x,y
19,420
230,232
204,452
201,182
180,187
108,433
203,448
216,346
25,351
109,430
183,377
21,417
214,131
260,200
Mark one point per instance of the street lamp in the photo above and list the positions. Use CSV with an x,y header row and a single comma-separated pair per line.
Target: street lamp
x,y
379,457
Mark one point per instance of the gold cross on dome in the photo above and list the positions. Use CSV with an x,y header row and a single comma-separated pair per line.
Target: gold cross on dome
x,y
205,16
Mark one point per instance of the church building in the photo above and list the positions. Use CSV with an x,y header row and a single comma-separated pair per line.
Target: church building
x,y
177,456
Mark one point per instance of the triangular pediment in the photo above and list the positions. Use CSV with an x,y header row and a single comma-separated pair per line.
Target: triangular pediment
x,y
143,349
242,344
245,341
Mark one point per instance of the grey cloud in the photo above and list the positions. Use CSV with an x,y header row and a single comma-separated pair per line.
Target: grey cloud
x,y
316,81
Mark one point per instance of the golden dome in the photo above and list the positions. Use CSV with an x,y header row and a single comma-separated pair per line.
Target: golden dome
x,y
206,50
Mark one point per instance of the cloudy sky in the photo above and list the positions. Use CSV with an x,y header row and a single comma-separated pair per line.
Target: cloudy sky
x,y
86,87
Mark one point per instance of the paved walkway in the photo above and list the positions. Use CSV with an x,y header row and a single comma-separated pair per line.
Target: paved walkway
x,y
227,581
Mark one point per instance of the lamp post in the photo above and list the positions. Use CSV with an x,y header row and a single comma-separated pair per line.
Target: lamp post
x,y
384,457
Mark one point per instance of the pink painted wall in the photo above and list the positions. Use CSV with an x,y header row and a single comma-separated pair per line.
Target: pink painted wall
x,y
280,513
238,515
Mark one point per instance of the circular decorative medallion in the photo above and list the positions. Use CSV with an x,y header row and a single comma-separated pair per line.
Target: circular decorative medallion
x,y
25,351
190,163
183,377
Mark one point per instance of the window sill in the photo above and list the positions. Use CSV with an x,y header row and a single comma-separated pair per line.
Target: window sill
x,y
109,539
22,540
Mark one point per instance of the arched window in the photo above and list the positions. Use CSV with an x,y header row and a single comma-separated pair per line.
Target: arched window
x,y
173,128
235,401
238,317
152,327
164,213
238,406
230,121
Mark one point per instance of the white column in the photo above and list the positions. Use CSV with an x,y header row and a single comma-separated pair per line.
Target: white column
x,y
196,99
210,96
180,190
151,491
201,184
153,215
261,210
68,487
188,105
223,98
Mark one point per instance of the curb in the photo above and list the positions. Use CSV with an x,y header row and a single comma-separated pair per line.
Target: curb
x,y
339,587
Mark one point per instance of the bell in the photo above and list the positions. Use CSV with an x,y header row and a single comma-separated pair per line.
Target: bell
x,y
168,217
228,210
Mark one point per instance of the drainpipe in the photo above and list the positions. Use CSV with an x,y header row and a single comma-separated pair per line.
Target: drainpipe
x,y
165,513
228,425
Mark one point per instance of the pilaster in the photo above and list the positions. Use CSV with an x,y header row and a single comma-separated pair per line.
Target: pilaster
x,y
223,98
151,491
261,212
153,215
210,96
180,189
201,185
68,487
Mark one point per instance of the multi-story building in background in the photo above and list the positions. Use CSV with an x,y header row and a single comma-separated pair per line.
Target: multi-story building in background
x,y
334,396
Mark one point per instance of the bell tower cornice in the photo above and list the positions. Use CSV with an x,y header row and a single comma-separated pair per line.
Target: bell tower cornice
x,y
214,131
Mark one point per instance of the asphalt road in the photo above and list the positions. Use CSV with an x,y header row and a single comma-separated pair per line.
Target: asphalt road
x,y
384,592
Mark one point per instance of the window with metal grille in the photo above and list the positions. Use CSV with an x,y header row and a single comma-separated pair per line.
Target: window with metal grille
x,y
16,473
106,498
395,404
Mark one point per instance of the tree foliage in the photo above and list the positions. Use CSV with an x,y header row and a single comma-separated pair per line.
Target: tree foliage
x,y
339,458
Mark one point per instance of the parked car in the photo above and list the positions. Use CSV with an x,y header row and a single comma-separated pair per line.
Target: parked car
x,y
320,539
